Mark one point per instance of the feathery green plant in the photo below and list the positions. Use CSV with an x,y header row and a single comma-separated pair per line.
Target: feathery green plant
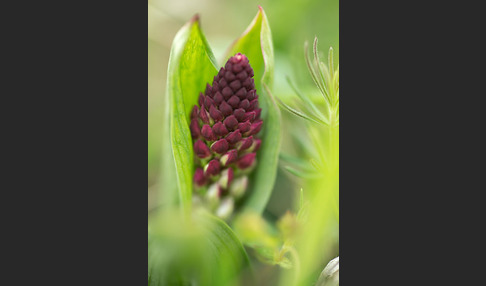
x,y
320,169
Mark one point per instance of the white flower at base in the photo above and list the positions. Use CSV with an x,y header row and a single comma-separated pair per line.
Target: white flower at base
x,y
330,275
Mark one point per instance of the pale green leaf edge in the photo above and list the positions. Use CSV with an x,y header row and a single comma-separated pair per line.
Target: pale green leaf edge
x,y
263,178
180,104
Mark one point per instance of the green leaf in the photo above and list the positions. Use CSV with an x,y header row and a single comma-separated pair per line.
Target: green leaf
x,y
191,66
256,44
223,241
201,250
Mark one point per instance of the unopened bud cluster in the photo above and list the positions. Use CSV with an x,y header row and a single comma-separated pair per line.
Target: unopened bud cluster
x,y
223,128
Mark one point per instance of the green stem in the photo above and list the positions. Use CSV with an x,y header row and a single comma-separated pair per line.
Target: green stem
x,y
295,256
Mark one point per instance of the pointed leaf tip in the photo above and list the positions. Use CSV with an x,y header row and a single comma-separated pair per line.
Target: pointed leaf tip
x,y
196,18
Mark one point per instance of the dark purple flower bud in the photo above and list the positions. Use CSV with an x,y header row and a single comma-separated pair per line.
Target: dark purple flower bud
x,y
220,146
212,168
228,65
208,90
222,83
251,95
258,112
234,137
221,72
194,126
199,178
253,105
249,70
215,114
240,114
201,99
244,126
244,104
231,122
203,114
194,112
255,127
237,68
235,85
242,75
246,161
208,102
207,133
218,98
241,93
245,143
201,149
250,116
220,130
225,108
249,83
216,87
227,92
229,76
234,101
229,157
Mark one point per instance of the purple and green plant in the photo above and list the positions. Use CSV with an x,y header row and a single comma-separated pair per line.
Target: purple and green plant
x,y
224,127
192,66
205,166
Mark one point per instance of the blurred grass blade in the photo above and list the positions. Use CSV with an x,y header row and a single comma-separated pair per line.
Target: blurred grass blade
x,y
201,251
297,161
307,100
302,174
256,44
313,73
299,113
306,166
301,168
330,60
323,70
191,66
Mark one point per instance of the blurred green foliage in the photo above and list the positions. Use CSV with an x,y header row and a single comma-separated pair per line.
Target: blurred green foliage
x,y
203,249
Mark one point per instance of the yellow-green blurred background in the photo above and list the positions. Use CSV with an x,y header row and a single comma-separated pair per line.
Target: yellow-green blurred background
x,y
292,22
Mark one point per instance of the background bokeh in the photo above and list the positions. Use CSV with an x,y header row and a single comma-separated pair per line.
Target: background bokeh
x,y
292,22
